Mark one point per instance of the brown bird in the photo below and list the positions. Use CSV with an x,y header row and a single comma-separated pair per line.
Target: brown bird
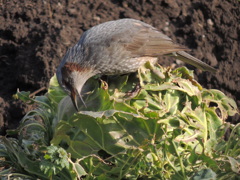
x,y
116,47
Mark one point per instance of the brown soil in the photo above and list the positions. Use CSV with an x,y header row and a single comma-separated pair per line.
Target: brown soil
x,y
34,36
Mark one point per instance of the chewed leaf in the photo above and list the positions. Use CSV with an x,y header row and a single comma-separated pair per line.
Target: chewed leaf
x,y
226,105
155,124
230,105
188,87
170,112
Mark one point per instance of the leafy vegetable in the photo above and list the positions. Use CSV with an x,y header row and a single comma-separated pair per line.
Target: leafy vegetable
x,y
157,124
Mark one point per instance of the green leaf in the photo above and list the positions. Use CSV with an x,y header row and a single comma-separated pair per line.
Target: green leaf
x,y
156,124
24,96
55,92
79,169
171,100
227,106
235,165
21,159
205,174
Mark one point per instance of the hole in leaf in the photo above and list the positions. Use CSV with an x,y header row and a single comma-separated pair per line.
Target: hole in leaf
x,y
213,104
218,112
103,154
183,145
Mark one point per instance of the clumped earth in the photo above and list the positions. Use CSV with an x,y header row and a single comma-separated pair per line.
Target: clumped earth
x,y
34,36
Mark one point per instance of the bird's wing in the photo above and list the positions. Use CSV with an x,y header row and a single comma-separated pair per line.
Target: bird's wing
x,y
147,41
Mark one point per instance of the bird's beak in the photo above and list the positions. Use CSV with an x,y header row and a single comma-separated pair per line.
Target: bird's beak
x,y
74,99
74,96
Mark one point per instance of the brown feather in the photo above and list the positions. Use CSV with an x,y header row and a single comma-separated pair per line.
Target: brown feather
x,y
71,66
150,42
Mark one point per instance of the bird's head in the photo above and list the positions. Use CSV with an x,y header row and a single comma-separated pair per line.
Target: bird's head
x,y
71,77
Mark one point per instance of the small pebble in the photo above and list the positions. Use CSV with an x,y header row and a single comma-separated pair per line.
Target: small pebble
x,y
210,22
97,18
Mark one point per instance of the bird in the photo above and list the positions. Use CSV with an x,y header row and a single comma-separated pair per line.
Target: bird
x,y
116,47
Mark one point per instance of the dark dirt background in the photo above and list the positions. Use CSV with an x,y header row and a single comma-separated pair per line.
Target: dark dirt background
x,y
34,36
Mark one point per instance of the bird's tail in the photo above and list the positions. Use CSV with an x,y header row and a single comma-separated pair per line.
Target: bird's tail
x,y
187,58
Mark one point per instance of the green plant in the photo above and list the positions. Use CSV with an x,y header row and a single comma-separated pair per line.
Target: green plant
x,y
159,124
